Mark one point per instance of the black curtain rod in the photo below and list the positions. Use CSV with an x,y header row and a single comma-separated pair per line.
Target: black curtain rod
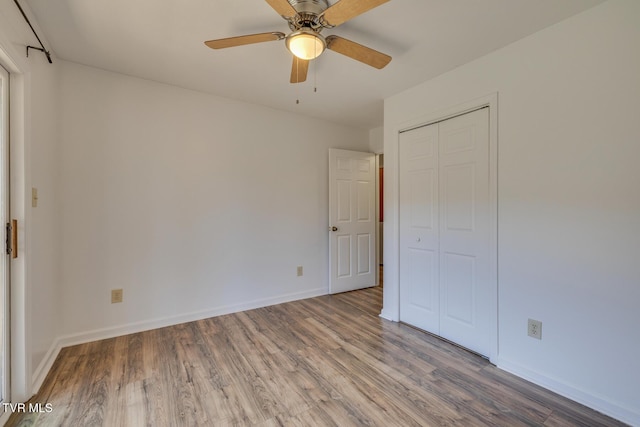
x,y
41,48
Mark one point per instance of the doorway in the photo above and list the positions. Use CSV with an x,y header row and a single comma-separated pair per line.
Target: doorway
x,y
352,217
380,203
445,231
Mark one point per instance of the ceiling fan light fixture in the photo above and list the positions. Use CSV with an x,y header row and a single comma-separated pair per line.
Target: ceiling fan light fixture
x,y
306,44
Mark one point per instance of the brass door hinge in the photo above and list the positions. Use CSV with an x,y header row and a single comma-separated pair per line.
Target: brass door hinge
x,y
12,238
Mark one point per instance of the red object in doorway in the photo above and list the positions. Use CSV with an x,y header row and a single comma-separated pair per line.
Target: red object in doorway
x,y
381,195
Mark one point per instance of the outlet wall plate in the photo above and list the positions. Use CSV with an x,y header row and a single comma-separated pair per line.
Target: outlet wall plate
x,y
534,329
116,296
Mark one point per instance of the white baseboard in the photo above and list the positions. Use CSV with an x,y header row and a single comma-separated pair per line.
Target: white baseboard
x,y
44,367
386,315
601,404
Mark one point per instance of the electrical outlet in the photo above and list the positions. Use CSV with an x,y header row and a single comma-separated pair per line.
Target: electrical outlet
x,y
116,296
299,270
534,329
34,197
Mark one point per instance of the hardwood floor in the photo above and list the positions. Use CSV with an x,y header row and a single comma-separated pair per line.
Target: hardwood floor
x,y
323,361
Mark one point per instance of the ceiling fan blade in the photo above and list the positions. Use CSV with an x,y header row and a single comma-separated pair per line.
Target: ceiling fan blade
x,y
345,10
283,7
358,52
299,70
242,40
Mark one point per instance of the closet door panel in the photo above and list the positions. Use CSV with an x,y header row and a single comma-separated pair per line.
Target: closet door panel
x,y
419,247
465,290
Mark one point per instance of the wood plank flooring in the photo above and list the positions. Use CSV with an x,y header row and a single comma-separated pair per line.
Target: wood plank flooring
x,y
327,361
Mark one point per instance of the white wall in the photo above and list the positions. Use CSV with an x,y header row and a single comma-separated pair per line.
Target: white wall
x,y
194,205
376,140
44,233
35,274
568,200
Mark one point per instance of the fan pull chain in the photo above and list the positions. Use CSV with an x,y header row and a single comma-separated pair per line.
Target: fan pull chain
x,y
315,78
298,79
315,71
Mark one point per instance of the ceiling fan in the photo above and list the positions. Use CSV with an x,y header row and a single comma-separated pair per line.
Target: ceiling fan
x,y
307,18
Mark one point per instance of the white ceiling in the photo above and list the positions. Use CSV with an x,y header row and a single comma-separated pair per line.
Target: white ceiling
x,y
162,40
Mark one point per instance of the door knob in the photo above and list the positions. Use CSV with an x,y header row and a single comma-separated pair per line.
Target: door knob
x,y
333,228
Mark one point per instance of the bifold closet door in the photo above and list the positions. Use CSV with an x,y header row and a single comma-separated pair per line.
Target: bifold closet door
x,y
419,229
445,284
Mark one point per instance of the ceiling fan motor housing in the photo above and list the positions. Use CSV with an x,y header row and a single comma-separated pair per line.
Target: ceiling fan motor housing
x,y
308,14
313,7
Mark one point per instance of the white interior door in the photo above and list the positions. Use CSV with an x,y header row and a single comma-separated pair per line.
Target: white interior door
x,y
445,226
352,220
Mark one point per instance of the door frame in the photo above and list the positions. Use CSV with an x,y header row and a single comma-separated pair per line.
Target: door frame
x,y
19,137
5,264
391,250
